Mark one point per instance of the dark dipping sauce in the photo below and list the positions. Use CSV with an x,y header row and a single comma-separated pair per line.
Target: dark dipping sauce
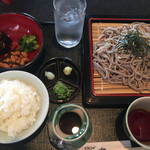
x,y
139,124
70,123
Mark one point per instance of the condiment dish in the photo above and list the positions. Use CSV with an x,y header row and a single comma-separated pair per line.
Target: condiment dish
x,y
66,73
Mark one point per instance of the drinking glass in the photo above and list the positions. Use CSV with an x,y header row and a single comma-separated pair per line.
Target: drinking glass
x,y
69,127
69,20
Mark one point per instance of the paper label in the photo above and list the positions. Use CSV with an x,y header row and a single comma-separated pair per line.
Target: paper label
x,y
113,145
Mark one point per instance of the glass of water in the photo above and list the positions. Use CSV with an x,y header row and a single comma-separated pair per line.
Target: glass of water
x,y
69,20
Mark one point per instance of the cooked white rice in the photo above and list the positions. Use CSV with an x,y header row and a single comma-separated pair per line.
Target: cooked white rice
x,y
19,104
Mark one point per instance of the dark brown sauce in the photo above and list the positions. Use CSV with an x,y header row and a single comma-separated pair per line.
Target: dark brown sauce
x,y
139,123
70,123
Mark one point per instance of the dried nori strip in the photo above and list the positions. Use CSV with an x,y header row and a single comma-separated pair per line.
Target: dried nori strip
x,y
5,43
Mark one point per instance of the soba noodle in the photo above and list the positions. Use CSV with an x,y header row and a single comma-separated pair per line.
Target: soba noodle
x,y
121,68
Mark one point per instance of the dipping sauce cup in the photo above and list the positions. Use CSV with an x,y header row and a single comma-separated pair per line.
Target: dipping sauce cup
x,y
69,20
137,121
69,127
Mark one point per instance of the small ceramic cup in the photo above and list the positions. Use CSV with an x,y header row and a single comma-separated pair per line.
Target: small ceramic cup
x,y
69,127
137,121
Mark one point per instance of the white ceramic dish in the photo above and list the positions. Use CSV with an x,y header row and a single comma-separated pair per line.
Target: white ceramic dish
x,y
41,115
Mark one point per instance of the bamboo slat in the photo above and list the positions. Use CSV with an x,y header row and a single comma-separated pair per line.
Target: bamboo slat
x,y
99,85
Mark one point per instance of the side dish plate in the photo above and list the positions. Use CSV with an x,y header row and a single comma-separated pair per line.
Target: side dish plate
x,y
56,66
97,92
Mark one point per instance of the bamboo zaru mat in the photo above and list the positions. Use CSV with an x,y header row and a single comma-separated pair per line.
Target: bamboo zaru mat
x,y
99,85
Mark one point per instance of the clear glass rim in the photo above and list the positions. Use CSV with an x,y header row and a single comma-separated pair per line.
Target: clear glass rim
x,y
84,1
77,106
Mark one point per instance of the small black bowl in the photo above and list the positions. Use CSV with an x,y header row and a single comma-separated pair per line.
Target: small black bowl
x,y
56,66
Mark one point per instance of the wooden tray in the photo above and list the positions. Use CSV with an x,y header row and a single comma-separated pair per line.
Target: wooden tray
x,y
99,86
103,93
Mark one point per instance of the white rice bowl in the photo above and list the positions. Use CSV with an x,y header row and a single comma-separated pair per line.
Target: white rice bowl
x,y
44,107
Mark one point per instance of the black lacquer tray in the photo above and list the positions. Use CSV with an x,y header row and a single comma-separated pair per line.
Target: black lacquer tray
x,y
103,99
